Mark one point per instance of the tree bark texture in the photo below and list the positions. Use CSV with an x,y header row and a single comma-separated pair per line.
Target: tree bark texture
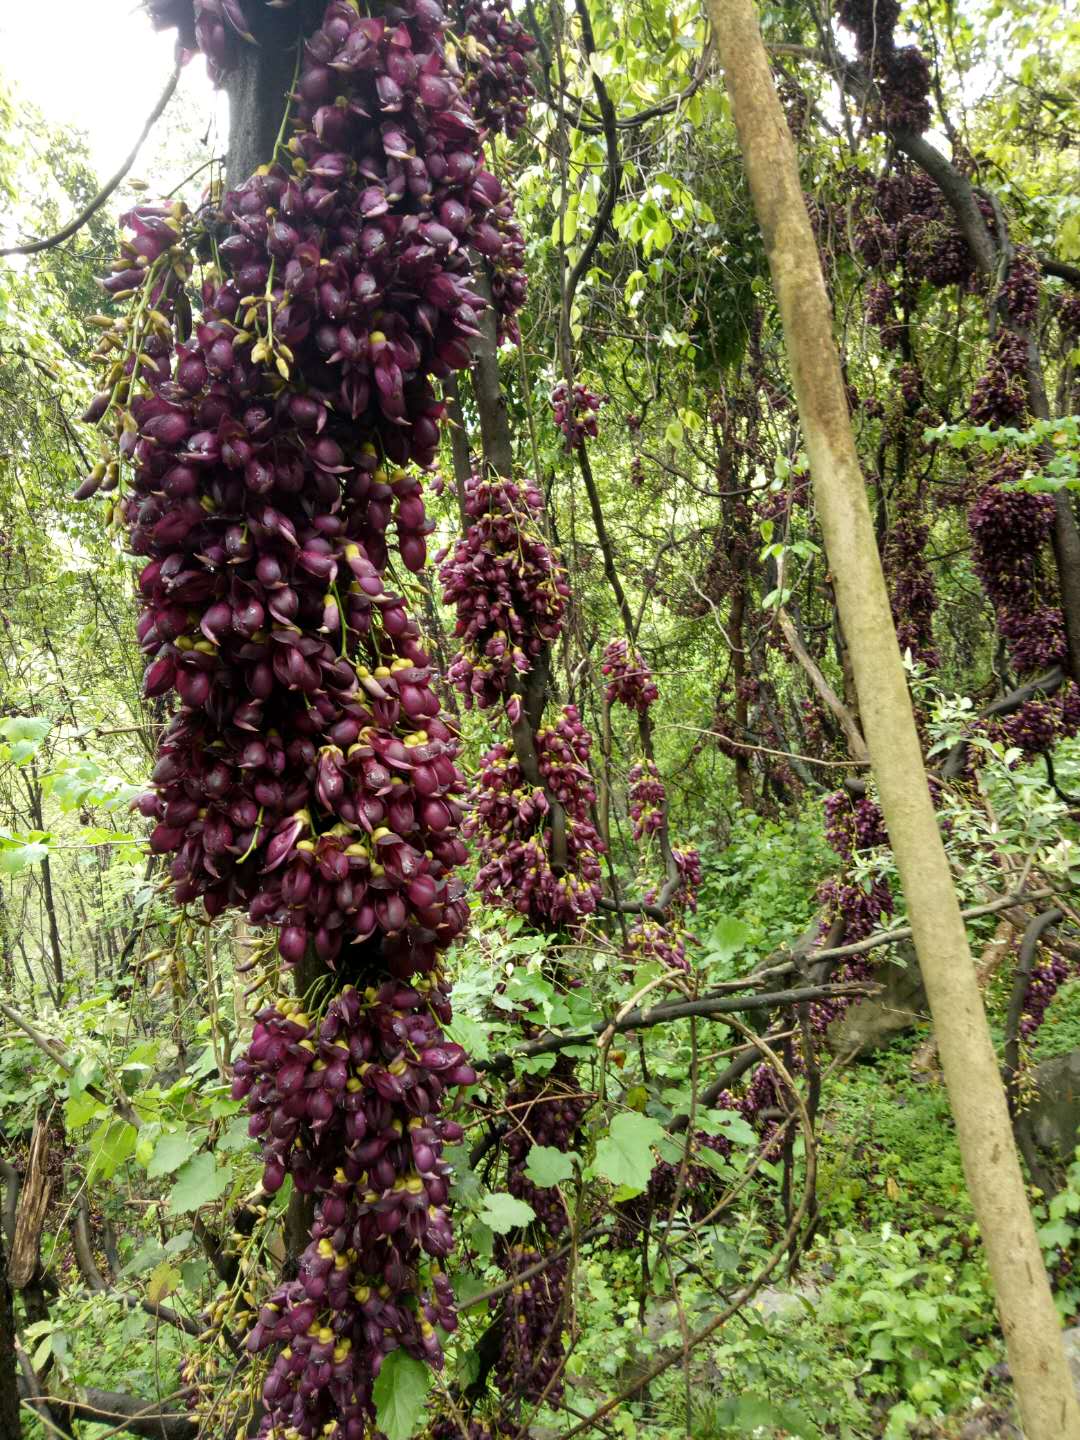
x,y
1048,1404
9,1365
259,84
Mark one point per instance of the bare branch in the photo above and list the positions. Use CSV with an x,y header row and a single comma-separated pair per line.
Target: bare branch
x,y
34,247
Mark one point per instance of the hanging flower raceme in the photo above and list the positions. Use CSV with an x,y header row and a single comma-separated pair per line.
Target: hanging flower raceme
x,y
307,775
1009,528
688,865
547,1111
902,73
911,584
511,824
348,1107
506,586
649,940
575,416
630,680
495,48
647,797
853,827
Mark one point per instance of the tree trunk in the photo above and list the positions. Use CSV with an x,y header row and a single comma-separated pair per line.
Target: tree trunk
x,y
744,782
9,1365
37,814
259,84
496,437
1048,1404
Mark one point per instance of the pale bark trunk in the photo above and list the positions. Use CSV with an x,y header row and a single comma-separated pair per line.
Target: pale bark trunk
x,y
1044,1389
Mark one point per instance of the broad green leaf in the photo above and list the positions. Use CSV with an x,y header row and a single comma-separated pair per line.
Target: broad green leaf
x,y
20,855
164,1279
503,1213
170,1152
728,936
24,729
401,1391
80,1110
111,1144
198,1183
748,1414
731,1125
471,1036
546,1165
624,1156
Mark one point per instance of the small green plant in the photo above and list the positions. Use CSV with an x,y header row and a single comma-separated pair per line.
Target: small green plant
x,y
1059,1236
916,1312
1060,1030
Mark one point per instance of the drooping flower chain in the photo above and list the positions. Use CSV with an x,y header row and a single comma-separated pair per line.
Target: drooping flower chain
x,y
308,775
507,588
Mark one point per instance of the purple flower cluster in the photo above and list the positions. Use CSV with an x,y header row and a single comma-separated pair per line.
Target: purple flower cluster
x,y
510,822
544,1110
903,222
1037,726
647,797
701,1187
1000,396
576,418
1068,314
688,866
348,1107
307,774
902,74
1047,977
495,49
533,1353
851,826
911,584
863,909
880,311
648,940
630,680
508,589
211,26
1009,528
1020,291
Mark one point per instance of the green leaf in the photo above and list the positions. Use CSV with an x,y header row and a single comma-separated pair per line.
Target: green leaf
x,y
111,1144
728,936
80,1110
547,1165
19,855
164,1279
503,1213
750,1413
198,1183
170,1152
624,1156
28,729
470,1035
400,1392
734,1127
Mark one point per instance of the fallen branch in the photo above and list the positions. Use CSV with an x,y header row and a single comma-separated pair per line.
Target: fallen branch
x,y
131,1413
643,1019
843,716
1046,684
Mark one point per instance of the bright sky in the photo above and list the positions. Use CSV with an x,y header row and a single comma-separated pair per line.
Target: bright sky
x,y
98,66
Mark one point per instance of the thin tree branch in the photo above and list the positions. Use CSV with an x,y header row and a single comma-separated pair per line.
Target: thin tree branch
x,y
34,247
642,1019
